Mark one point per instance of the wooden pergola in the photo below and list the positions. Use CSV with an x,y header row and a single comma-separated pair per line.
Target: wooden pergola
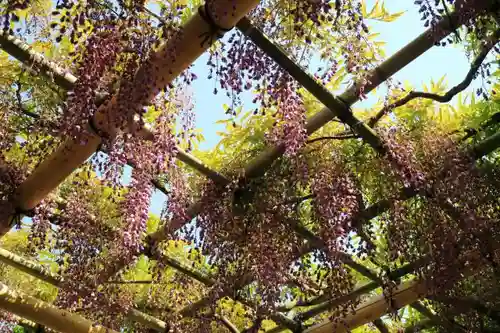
x,y
71,155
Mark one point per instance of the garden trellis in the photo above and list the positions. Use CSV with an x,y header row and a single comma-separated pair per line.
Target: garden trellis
x,y
214,19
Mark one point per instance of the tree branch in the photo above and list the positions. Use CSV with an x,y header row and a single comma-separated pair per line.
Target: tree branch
x,y
471,74
448,324
228,324
468,303
131,282
334,137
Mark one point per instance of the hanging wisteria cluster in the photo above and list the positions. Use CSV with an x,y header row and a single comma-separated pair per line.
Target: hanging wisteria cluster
x,y
453,220
99,56
337,201
237,233
242,66
11,176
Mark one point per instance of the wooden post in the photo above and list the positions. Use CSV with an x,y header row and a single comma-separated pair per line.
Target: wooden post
x,y
46,314
173,58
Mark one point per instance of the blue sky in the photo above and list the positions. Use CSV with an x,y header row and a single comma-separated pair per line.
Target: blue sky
x,y
439,61
434,64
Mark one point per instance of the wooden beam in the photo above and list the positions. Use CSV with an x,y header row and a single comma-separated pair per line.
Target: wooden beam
x,y
402,58
374,308
163,67
429,322
56,280
336,106
46,314
379,324
64,79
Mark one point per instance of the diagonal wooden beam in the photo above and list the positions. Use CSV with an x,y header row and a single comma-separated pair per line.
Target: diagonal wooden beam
x,y
336,105
42,273
374,308
402,58
21,48
429,323
162,68
46,314
379,324
64,79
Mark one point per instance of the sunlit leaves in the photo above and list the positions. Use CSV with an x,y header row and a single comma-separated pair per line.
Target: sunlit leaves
x,y
379,12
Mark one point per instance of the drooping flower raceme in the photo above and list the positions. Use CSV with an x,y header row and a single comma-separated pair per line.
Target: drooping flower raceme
x,y
336,202
101,51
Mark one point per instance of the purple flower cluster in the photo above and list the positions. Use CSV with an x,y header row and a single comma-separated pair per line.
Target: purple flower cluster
x,y
150,158
135,210
469,13
237,235
11,176
402,156
292,113
453,221
41,223
336,203
101,51
9,15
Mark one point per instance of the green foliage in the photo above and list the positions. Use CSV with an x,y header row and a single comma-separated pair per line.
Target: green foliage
x,y
242,140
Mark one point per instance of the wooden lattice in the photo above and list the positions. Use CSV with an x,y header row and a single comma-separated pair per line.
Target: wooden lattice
x,y
43,180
